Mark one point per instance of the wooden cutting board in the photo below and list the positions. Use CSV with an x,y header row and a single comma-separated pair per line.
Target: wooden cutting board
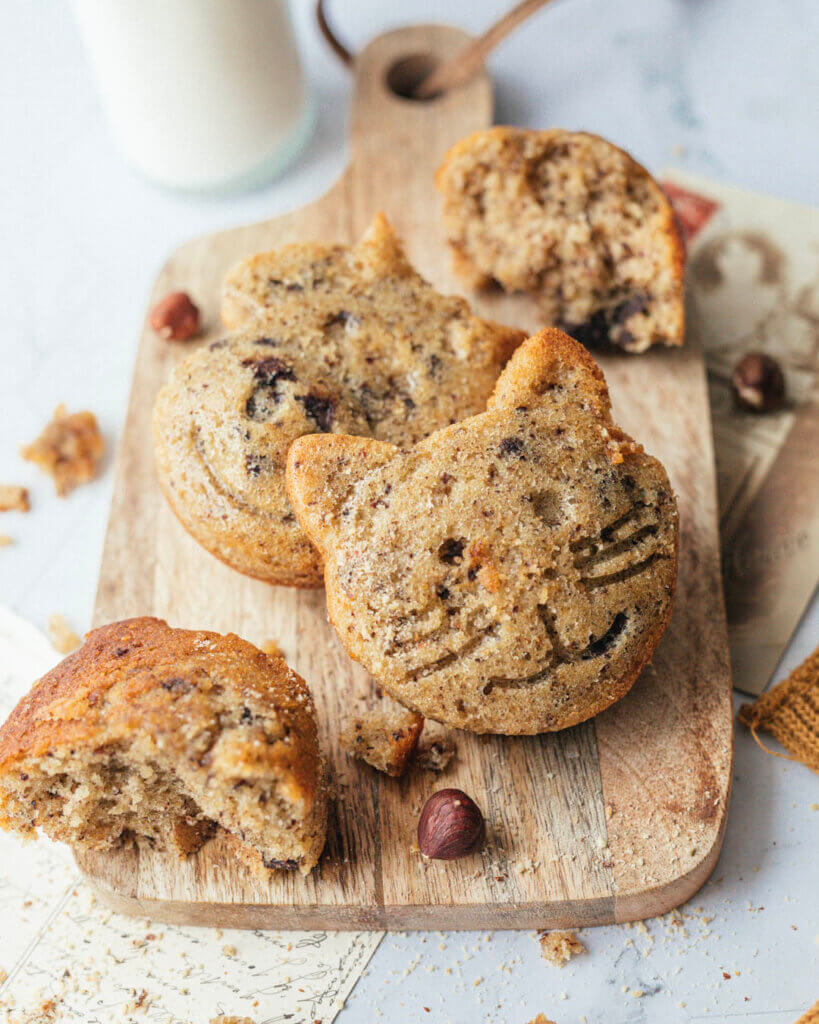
x,y
617,819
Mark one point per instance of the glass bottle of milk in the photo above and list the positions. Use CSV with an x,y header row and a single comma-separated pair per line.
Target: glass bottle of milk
x,y
201,95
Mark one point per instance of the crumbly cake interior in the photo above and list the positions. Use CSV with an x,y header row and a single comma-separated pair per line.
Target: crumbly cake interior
x,y
385,738
101,800
128,792
163,743
511,573
574,220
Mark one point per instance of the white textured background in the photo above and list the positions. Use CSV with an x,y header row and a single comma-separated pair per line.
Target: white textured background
x,y
727,88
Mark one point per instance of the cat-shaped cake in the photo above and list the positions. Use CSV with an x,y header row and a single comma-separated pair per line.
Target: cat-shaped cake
x,y
511,573
338,339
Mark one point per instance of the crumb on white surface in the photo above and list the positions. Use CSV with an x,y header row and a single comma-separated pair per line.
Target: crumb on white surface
x,y
558,948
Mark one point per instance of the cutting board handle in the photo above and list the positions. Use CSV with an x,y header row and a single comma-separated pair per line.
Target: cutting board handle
x,y
397,143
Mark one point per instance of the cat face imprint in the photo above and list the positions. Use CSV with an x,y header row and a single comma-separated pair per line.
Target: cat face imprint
x,y
512,573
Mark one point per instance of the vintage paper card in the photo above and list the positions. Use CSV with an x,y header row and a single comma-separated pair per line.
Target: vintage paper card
x,y
753,285
65,957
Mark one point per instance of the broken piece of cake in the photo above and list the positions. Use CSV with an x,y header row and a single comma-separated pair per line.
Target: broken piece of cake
x,y
435,753
162,736
13,498
385,738
69,449
559,947
574,221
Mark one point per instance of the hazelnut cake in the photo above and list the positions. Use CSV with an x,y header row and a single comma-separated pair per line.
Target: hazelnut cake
x,y
511,573
333,339
573,220
163,736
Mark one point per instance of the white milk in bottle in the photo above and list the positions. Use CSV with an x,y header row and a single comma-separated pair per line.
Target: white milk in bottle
x,y
200,94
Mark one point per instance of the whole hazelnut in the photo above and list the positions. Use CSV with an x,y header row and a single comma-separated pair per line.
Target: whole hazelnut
x,y
450,826
175,317
758,383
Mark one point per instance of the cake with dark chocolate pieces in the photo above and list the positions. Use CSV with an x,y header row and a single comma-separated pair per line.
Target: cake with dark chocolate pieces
x,y
576,222
511,573
331,339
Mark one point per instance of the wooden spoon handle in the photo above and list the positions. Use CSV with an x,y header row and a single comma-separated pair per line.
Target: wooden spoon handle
x,y
456,70
469,61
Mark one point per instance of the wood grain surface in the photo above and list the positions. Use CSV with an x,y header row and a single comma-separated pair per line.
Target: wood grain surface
x,y
617,819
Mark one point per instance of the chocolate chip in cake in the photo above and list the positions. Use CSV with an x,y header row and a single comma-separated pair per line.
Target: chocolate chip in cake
x,y
603,643
269,371
343,317
319,408
265,396
510,446
176,685
280,865
254,464
451,551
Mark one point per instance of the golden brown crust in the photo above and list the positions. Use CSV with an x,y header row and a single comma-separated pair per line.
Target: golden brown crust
x,y
336,339
209,710
574,220
511,573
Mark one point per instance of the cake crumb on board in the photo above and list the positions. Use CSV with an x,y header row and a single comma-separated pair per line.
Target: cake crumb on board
x,y
436,755
384,738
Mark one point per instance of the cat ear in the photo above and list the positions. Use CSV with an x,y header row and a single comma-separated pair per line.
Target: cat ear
x,y
380,249
547,364
321,471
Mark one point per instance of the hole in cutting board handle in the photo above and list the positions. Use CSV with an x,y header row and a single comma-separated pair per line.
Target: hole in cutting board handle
x,y
407,72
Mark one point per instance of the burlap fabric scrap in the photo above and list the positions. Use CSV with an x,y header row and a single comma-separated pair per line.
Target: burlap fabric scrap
x,y
790,713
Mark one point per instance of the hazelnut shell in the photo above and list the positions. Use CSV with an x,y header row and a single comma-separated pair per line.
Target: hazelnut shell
x,y
451,826
758,383
175,317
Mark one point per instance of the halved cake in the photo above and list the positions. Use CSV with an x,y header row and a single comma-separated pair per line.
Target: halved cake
x,y
163,736
573,220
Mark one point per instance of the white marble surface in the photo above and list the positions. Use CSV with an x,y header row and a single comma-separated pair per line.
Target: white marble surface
x,y
724,87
